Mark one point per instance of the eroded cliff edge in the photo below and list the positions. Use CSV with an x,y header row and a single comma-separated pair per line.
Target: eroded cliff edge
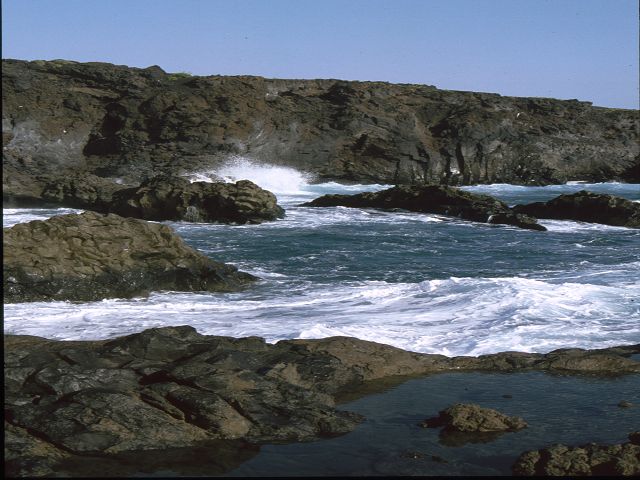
x,y
130,124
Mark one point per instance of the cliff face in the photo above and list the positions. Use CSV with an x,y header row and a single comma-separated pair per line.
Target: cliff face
x,y
130,123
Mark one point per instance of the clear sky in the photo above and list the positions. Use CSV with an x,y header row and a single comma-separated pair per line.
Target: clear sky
x,y
584,49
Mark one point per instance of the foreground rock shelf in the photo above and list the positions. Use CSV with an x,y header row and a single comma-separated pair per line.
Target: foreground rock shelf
x,y
92,256
172,388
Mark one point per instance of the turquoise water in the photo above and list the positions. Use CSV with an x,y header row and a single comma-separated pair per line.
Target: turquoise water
x,y
571,410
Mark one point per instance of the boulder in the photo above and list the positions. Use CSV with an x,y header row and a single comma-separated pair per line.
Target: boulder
x,y
80,190
587,206
438,199
585,460
174,198
92,256
474,418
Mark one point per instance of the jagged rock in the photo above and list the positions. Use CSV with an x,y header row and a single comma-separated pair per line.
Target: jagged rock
x,y
171,388
434,199
585,460
587,206
634,437
116,121
66,188
173,198
474,418
91,256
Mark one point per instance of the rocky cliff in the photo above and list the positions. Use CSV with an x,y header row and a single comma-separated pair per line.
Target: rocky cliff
x,y
129,124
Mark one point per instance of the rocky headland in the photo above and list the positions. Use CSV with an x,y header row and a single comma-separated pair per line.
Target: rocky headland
x,y
92,256
130,124
439,199
167,389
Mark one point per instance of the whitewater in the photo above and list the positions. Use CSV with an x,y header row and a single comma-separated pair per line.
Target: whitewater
x,y
424,283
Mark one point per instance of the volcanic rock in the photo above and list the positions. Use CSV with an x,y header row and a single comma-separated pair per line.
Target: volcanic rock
x,y
434,199
587,206
167,389
173,198
585,460
474,418
119,122
91,256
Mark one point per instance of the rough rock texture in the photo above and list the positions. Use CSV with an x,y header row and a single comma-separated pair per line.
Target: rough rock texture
x,y
171,388
434,199
585,460
130,123
474,418
174,198
587,206
91,256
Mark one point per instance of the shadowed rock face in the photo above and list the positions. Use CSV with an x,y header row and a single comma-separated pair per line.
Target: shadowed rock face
x,y
115,121
585,460
172,388
587,207
172,198
434,199
93,256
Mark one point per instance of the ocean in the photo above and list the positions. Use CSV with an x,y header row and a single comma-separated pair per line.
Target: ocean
x,y
425,283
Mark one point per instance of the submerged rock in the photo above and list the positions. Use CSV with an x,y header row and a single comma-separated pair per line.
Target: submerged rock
x,y
92,256
438,199
173,198
587,206
585,460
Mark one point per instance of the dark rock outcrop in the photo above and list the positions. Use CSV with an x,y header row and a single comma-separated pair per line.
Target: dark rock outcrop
x,y
587,206
585,460
173,198
93,256
439,199
470,423
474,418
73,402
131,123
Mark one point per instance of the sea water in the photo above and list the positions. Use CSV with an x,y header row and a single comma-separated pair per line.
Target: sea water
x,y
421,282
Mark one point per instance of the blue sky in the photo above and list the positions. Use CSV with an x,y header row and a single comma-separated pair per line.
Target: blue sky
x,y
585,49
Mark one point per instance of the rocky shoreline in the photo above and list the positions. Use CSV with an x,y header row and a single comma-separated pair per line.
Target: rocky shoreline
x,y
172,388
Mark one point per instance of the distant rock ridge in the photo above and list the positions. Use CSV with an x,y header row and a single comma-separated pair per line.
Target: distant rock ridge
x,y
70,402
131,124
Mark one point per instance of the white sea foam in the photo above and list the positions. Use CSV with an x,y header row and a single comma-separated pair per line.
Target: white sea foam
x,y
275,178
567,302
287,183
13,216
452,316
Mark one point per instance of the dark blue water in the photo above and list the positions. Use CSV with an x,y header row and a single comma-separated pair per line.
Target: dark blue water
x,y
559,409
